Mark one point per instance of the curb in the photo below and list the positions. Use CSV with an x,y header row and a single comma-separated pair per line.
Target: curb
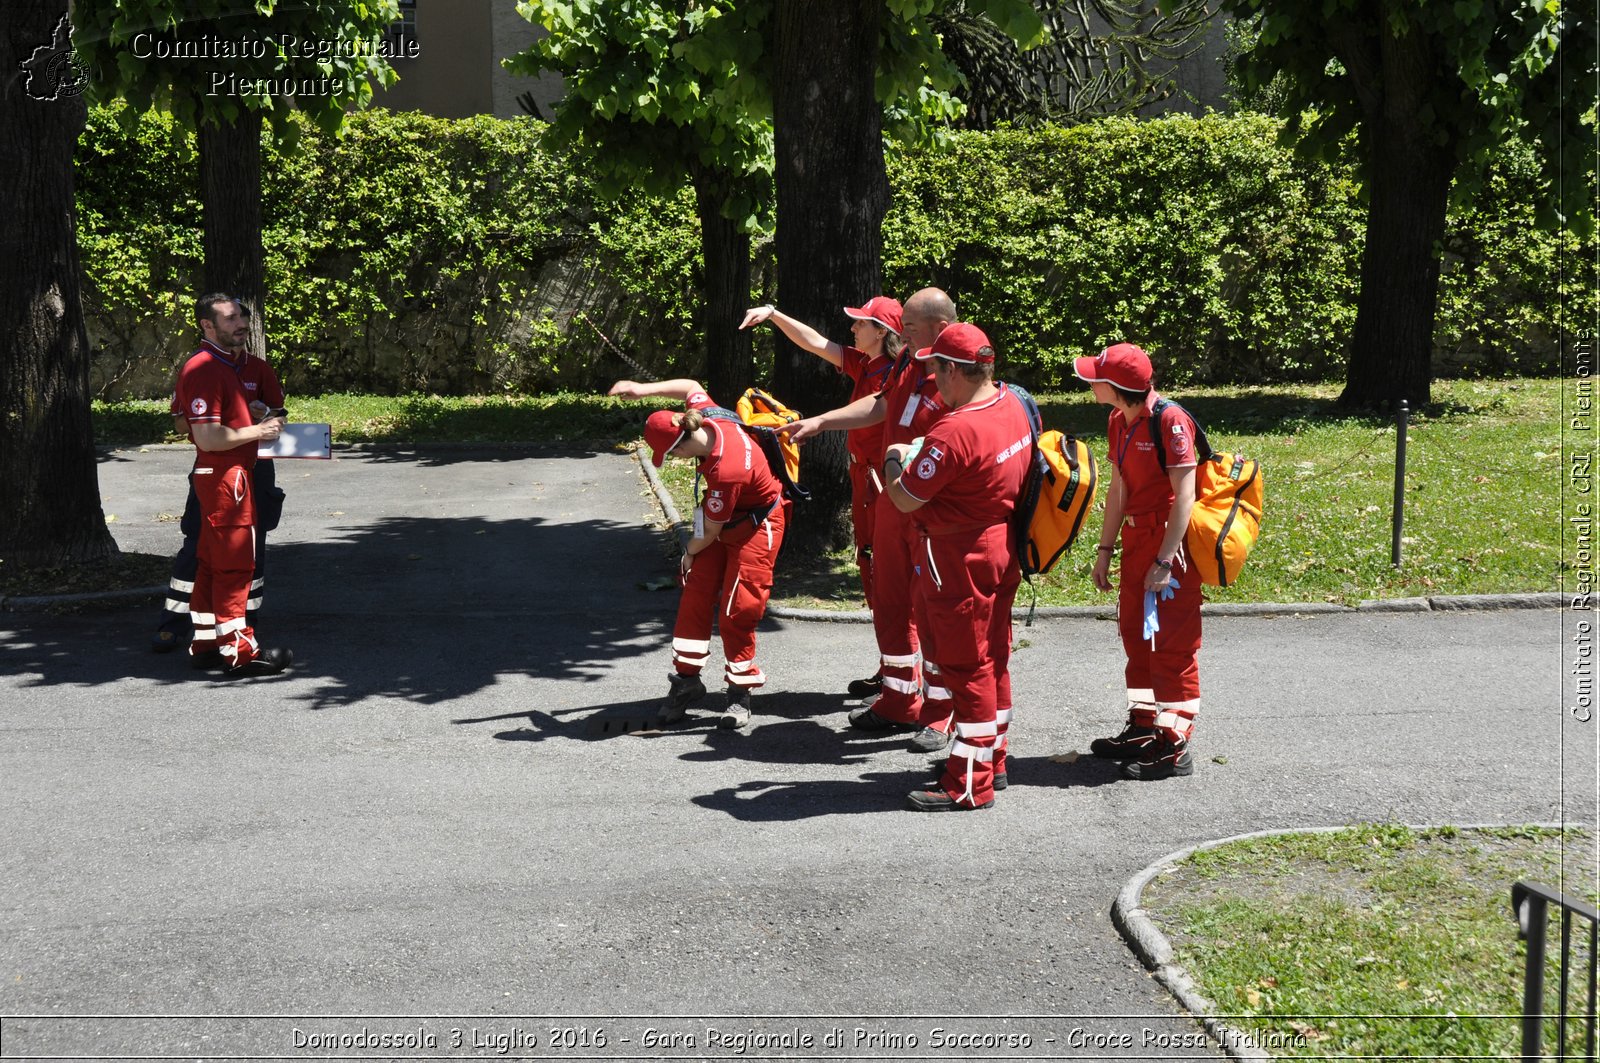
x,y
24,603
675,520
1155,951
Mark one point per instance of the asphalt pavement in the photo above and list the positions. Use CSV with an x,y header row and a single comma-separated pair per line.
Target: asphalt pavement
x,y
445,815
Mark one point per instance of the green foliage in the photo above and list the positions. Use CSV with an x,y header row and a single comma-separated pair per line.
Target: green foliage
x,y
1489,71
657,97
418,253
406,254
218,58
1226,256
1220,253
660,95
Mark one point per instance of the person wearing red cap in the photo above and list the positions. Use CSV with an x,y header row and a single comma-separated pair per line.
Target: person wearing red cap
x,y
907,407
1149,506
960,487
726,570
875,329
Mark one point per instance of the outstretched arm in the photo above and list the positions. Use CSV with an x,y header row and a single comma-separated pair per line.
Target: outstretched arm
x,y
862,413
672,389
802,334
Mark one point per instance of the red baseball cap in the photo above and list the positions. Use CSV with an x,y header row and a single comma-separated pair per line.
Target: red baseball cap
x,y
881,310
962,343
1122,365
662,434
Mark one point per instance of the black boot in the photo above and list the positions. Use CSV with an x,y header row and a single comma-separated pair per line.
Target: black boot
x,y
1161,759
685,691
1129,745
737,713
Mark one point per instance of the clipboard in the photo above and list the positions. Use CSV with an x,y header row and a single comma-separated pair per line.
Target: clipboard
x,y
299,441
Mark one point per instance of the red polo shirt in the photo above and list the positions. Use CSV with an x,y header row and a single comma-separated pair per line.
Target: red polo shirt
x,y
911,404
1146,487
972,464
868,374
738,480
210,392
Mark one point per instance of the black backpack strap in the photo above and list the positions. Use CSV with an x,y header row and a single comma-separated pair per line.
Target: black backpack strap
x,y
1202,445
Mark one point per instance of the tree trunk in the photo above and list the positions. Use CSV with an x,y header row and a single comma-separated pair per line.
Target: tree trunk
x,y
1408,186
230,193
832,195
726,251
49,487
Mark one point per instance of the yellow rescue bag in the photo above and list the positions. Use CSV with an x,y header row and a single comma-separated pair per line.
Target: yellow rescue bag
x,y
1229,499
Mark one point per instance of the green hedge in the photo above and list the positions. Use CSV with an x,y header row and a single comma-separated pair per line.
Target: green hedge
x,y
422,254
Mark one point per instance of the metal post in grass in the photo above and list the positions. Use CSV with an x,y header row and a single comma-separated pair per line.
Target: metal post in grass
x,y
1400,418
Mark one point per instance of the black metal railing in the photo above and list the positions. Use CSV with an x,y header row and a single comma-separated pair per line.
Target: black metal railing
x,y
1532,903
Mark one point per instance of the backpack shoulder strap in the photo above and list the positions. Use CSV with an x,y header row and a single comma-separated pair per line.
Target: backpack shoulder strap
x,y
1155,430
1202,445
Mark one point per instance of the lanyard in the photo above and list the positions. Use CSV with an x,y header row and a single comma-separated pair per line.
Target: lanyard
x,y
1126,439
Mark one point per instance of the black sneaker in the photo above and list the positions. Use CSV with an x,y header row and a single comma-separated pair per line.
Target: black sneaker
x,y
868,720
1129,745
1161,760
685,691
930,740
865,688
737,713
939,801
267,662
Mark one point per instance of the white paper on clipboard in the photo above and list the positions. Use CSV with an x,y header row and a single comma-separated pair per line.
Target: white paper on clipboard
x,y
299,441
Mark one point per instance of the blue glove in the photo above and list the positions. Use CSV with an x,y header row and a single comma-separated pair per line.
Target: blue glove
x,y
1152,622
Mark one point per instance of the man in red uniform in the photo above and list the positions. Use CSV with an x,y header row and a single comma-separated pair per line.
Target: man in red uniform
x,y
875,330
960,487
727,566
1150,506
266,400
907,407
225,435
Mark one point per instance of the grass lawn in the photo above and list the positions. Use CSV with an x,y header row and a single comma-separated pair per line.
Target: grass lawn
x,y
1482,485
1483,482
1375,941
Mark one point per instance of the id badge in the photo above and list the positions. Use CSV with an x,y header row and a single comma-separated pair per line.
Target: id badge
x,y
910,413
699,522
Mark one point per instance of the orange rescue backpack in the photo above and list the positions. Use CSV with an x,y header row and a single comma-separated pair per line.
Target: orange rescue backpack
x,y
1229,496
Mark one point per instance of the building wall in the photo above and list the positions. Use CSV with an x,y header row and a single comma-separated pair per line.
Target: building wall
x,y
513,34
457,72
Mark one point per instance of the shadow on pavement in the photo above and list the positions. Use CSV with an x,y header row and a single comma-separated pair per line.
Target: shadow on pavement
x,y
435,456
759,801
424,609
1042,771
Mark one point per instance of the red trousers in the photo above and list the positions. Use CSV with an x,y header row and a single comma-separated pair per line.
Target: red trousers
x,y
226,556
729,584
1168,671
893,539
863,499
966,584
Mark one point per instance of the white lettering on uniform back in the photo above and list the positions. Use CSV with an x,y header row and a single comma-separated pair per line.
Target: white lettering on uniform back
x,y
1014,449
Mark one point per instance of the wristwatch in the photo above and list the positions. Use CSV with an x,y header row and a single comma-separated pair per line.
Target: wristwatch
x,y
1164,564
